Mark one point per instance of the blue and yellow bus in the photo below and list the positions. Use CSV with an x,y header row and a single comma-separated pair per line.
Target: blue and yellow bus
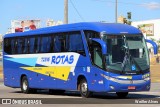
x,y
88,56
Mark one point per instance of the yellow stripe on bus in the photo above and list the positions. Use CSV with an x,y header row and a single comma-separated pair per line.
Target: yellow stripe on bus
x,y
56,72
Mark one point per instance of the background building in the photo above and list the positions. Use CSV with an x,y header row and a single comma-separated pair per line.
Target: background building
x,y
150,28
51,22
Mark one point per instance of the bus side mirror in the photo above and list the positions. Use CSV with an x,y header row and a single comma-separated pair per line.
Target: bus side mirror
x,y
155,47
103,45
104,48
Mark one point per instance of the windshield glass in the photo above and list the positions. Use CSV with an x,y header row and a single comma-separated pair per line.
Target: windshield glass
x,y
126,53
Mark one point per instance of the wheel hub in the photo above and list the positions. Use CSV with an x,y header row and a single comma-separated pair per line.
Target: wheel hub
x,y
25,85
84,88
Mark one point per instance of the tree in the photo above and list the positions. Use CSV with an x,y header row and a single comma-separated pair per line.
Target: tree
x,y
128,19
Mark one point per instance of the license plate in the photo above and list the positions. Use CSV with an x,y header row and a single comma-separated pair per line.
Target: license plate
x,y
131,87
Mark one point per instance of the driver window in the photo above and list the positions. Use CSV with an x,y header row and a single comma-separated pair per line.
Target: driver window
x,y
115,50
96,54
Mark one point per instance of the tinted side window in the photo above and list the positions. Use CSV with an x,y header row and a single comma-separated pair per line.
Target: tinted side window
x,y
76,43
7,45
37,44
48,43
20,45
45,44
26,46
51,43
96,54
31,45
59,43
14,46
91,34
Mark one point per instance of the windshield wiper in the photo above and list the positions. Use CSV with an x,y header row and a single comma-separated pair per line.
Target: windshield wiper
x,y
135,62
126,59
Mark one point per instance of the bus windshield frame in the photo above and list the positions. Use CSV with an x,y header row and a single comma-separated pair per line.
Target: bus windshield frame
x,y
126,53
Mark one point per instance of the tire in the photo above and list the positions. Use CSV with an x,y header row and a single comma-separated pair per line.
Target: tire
x,y
122,94
84,91
25,85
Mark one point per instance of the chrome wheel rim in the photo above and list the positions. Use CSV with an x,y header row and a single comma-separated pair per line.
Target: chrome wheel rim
x,y
84,88
25,85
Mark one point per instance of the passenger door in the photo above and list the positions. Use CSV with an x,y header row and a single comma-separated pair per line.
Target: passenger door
x,y
97,68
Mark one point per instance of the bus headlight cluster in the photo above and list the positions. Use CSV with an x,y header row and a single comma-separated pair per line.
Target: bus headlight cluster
x,y
112,79
146,79
109,78
146,76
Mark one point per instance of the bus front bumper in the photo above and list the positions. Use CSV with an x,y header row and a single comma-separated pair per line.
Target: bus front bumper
x,y
117,85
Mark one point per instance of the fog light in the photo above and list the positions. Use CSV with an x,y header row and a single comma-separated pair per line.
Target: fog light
x,y
111,87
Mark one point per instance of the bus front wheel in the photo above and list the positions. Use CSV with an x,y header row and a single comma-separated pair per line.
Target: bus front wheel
x,y
25,85
84,89
122,94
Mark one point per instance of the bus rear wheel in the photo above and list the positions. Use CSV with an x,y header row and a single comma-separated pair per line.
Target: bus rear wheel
x,y
122,94
84,89
25,85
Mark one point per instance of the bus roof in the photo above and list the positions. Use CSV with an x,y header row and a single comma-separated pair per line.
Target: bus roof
x,y
109,28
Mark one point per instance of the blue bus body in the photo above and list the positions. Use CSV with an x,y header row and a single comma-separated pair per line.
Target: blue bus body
x,y
63,70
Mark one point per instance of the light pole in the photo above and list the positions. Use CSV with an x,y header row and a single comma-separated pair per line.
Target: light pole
x,y
65,11
116,11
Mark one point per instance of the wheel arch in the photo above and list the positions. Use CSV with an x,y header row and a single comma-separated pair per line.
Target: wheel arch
x,y
22,75
80,77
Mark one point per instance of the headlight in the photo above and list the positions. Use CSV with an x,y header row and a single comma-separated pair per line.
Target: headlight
x,y
146,76
146,79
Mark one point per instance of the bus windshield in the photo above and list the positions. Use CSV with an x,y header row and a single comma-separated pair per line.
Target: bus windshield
x,y
126,53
